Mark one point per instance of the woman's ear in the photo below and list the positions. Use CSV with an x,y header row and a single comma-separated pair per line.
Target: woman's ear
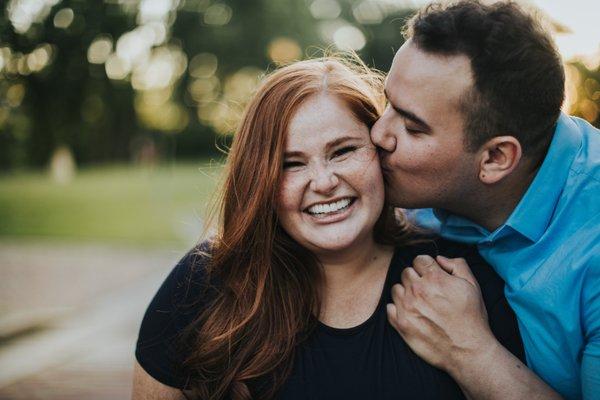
x,y
499,157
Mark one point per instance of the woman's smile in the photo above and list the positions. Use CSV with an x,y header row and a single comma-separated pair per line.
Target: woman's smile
x,y
333,211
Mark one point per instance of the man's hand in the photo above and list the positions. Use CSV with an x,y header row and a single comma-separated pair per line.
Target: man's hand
x,y
438,310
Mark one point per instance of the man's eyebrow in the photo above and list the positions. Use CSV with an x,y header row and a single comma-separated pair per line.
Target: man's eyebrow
x,y
407,114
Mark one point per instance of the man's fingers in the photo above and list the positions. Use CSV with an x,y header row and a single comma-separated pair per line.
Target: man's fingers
x,y
408,276
397,293
392,314
424,263
457,267
395,320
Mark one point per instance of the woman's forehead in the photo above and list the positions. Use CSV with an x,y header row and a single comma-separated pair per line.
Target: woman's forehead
x,y
321,120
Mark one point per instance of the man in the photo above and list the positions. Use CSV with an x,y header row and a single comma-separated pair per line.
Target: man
x,y
473,129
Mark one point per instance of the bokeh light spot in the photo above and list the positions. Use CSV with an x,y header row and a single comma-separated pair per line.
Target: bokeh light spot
x,y
166,116
116,68
39,58
284,50
155,10
240,86
203,65
22,66
572,82
133,47
591,86
23,13
205,89
100,49
368,12
15,94
325,9
349,37
63,18
218,14
589,110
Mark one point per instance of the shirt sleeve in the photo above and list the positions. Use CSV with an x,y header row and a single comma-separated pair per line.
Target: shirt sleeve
x,y
174,306
424,218
590,363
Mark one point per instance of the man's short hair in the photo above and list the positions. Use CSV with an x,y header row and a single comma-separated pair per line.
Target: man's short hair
x,y
518,74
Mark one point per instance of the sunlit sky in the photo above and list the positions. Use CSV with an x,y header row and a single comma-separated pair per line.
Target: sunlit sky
x,y
582,17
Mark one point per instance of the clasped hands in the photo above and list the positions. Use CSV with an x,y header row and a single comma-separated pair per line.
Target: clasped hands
x,y
438,310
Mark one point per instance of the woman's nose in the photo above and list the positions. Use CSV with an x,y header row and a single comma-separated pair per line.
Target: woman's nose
x,y
324,180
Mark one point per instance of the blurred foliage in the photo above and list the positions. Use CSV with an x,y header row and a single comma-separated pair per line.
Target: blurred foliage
x,y
148,80
584,91
144,80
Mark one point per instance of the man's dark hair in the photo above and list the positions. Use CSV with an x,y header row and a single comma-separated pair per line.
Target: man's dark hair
x,y
518,74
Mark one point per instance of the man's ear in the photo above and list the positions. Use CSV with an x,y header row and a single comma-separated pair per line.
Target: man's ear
x,y
499,156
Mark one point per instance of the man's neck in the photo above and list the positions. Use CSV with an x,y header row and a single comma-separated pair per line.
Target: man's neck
x,y
493,205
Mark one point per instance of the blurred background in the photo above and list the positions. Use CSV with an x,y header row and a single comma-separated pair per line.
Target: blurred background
x,y
114,120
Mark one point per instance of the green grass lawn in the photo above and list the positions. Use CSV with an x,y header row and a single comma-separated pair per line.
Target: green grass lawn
x,y
163,205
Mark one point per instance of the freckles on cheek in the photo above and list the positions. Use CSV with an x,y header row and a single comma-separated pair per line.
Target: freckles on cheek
x,y
371,177
288,197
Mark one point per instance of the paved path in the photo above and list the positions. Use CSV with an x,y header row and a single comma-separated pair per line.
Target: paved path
x,y
82,307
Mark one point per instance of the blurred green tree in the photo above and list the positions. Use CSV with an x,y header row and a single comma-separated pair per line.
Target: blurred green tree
x,y
144,79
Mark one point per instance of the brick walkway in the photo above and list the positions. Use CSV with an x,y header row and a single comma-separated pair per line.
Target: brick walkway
x,y
87,302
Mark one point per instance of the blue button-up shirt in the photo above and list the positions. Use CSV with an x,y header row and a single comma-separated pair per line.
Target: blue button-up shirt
x,y
548,253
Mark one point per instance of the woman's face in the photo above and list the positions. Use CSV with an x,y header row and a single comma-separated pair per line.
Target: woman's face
x,y
332,191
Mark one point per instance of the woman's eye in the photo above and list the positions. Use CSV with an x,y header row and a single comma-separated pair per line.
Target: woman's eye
x,y
291,164
344,150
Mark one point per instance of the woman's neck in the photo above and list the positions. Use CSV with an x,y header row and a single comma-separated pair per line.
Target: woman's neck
x,y
353,283
359,260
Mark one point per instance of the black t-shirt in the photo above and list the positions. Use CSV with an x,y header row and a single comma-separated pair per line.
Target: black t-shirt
x,y
366,361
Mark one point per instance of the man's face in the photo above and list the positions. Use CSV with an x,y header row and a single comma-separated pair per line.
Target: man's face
x,y
421,133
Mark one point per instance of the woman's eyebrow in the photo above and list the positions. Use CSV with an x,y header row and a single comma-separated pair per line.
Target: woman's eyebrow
x,y
288,154
340,141
328,146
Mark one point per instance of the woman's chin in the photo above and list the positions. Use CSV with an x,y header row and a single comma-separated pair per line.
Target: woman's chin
x,y
335,244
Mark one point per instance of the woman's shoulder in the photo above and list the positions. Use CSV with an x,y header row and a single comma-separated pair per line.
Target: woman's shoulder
x,y
189,277
492,285
176,304
433,246
428,244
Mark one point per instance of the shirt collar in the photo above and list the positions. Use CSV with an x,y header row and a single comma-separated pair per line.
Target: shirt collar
x,y
532,215
534,212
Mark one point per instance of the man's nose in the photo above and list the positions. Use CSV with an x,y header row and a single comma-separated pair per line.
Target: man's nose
x,y
324,180
381,135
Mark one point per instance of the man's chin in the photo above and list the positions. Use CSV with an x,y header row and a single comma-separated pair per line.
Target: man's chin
x,y
404,201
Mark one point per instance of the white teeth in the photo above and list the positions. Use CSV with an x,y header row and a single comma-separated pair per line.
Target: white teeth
x,y
330,207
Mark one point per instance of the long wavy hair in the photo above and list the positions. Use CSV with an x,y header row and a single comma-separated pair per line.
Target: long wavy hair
x,y
267,294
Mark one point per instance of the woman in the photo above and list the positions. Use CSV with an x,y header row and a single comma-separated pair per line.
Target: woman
x,y
288,300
